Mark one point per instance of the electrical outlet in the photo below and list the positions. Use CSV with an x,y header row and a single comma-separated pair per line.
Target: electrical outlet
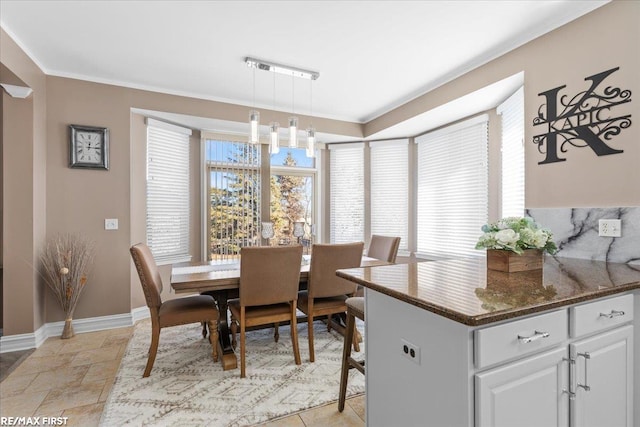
x,y
410,351
111,224
610,228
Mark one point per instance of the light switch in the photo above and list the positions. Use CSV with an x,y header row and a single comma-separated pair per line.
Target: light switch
x,y
111,224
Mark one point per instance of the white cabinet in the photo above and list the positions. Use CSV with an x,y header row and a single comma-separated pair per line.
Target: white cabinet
x,y
585,382
530,392
603,380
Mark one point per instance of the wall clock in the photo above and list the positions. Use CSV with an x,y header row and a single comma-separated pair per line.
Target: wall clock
x,y
89,147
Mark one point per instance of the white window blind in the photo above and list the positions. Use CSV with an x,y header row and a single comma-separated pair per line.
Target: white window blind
x,y
346,163
234,188
452,201
168,204
389,189
512,113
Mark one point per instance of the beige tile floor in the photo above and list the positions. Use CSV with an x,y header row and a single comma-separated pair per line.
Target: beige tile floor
x,y
72,378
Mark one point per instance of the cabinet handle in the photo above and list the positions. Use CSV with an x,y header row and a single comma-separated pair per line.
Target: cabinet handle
x,y
614,313
586,356
572,362
536,336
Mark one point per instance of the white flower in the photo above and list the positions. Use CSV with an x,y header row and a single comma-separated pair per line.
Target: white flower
x,y
539,239
64,271
507,236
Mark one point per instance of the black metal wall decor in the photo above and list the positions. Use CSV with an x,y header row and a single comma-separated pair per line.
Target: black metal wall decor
x,y
588,119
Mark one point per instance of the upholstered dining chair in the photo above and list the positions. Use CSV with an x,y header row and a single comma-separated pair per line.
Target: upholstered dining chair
x,y
269,280
179,311
384,248
326,293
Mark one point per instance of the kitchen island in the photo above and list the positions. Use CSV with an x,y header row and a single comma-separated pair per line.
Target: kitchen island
x,y
450,343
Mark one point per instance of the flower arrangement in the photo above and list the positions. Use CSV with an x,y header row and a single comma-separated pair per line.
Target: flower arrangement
x,y
516,234
65,261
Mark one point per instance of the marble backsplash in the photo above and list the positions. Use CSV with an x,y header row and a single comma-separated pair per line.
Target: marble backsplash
x,y
575,231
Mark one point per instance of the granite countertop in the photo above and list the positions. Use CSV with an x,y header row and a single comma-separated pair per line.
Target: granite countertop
x,y
465,291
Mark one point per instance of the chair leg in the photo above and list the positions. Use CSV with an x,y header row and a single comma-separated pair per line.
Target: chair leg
x,y
243,342
346,354
213,338
153,350
356,335
276,334
312,356
329,322
294,334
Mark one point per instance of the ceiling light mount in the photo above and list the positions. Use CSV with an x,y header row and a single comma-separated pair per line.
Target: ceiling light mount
x,y
281,69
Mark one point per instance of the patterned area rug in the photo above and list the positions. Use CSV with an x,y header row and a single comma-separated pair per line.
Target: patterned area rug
x,y
186,388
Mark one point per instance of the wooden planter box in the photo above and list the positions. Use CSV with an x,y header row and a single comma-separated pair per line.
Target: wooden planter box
x,y
511,262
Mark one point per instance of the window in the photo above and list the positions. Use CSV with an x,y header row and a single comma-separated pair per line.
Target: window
x,y
389,189
452,190
234,189
292,186
168,192
346,169
512,113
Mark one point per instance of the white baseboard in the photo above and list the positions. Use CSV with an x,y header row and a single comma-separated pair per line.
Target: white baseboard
x,y
35,339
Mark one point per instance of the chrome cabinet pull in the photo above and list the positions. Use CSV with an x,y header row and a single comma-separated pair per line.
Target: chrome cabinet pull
x,y
536,336
614,313
572,362
586,356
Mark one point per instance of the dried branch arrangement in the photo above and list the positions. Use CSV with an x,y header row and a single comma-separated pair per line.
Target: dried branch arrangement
x,y
65,263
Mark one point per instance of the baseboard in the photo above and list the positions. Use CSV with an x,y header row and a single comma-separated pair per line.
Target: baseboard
x,y
35,339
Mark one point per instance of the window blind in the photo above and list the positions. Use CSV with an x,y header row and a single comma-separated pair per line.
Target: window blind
x,y
234,186
389,189
168,204
512,114
346,188
452,201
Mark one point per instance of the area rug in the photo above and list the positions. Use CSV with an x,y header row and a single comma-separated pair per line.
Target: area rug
x,y
186,388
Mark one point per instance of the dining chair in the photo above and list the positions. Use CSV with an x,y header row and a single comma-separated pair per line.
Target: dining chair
x,y
179,311
326,292
384,248
355,309
269,280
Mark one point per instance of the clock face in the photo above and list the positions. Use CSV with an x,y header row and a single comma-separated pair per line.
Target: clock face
x,y
89,147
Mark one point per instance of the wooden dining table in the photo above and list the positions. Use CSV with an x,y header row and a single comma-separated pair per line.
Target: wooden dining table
x,y
221,279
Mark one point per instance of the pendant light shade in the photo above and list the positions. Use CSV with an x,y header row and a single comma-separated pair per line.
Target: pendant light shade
x,y
254,121
311,142
293,132
275,138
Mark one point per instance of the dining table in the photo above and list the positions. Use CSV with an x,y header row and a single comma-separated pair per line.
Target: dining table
x,y
221,280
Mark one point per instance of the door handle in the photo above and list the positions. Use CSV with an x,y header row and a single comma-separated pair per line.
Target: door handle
x,y
586,356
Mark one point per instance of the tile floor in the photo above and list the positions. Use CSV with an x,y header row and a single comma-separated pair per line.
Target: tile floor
x,y
72,378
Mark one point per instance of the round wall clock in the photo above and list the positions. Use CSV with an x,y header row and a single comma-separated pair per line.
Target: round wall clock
x,y
89,147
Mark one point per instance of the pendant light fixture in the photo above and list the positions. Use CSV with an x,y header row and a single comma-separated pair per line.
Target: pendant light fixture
x,y
254,116
311,132
274,127
293,120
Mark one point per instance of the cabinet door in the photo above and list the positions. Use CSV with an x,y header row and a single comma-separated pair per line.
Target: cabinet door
x,y
525,393
604,364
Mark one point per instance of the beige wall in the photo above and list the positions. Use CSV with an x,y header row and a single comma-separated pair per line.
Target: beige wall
x,y
598,41
24,190
80,200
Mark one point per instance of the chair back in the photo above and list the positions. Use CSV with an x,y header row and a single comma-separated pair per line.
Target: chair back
x,y
148,273
384,248
269,275
325,260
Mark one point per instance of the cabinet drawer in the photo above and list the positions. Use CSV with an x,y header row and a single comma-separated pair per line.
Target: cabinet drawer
x,y
508,340
598,315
